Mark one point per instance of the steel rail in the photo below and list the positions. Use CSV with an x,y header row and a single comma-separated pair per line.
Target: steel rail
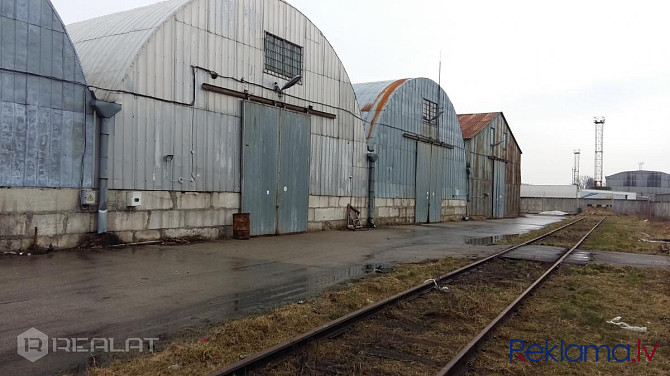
x,y
264,357
455,366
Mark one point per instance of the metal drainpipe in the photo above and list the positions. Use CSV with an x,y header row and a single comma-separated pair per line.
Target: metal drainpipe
x,y
105,110
468,172
372,159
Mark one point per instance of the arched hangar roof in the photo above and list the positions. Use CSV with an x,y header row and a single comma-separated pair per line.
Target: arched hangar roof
x,y
398,104
109,45
119,51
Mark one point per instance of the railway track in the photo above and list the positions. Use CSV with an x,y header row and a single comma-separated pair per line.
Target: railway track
x,y
255,364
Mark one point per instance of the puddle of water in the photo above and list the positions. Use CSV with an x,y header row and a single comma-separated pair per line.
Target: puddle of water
x,y
488,240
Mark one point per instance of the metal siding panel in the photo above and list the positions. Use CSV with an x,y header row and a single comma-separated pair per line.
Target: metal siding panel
x,y
21,46
66,154
78,148
6,125
31,147
55,144
259,190
8,38
43,129
294,149
7,8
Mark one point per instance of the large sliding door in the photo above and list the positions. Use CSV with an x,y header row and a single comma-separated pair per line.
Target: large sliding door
x,y
430,176
498,189
275,180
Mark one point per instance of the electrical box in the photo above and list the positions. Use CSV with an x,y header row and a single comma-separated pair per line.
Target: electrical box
x,y
89,197
133,199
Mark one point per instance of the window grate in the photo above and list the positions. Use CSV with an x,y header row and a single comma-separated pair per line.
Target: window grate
x,y
430,112
282,57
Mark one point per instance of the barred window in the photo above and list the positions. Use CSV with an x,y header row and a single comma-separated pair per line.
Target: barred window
x,y
492,135
430,113
282,57
505,141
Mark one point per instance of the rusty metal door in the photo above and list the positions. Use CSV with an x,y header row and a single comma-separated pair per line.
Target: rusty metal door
x,y
498,189
260,167
294,150
437,175
423,186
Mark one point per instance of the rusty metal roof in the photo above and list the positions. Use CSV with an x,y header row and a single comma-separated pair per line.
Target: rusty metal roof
x,y
472,124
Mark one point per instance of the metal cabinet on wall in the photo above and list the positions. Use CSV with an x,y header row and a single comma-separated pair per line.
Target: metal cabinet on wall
x,y
275,180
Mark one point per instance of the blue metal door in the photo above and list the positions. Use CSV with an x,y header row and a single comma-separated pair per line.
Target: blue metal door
x,y
259,171
275,172
437,175
423,186
498,189
294,148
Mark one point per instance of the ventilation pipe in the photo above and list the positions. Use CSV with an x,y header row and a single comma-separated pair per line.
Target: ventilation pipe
x,y
372,159
105,110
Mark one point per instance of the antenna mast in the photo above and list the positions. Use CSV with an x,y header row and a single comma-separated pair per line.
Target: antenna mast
x,y
575,169
598,173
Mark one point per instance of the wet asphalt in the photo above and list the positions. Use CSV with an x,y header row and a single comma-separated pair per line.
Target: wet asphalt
x,y
155,291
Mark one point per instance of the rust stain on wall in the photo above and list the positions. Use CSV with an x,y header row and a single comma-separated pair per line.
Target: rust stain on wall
x,y
381,101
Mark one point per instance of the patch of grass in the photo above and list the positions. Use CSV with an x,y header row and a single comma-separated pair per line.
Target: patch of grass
x,y
535,233
574,305
233,340
624,234
620,233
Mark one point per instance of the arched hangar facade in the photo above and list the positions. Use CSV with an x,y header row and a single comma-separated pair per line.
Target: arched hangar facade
x,y
412,128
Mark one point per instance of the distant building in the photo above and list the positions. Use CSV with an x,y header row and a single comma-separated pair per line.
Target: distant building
x,y
644,183
572,191
549,191
494,165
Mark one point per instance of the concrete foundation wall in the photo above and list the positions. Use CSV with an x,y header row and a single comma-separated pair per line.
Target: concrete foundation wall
x,y
642,208
61,221
453,210
64,223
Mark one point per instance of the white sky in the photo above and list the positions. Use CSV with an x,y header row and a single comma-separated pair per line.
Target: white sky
x,y
549,66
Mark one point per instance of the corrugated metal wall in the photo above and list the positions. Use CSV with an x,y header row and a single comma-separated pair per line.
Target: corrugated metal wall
x,y
481,170
226,37
47,131
402,113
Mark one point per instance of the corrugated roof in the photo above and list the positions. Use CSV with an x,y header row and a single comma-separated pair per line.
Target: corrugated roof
x,y
472,124
373,97
107,46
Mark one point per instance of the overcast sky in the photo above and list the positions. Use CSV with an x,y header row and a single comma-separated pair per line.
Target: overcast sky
x,y
549,66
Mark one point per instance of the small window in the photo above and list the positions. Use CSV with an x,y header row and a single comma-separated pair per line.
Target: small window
x,y
505,139
492,134
430,113
282,58
654,181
